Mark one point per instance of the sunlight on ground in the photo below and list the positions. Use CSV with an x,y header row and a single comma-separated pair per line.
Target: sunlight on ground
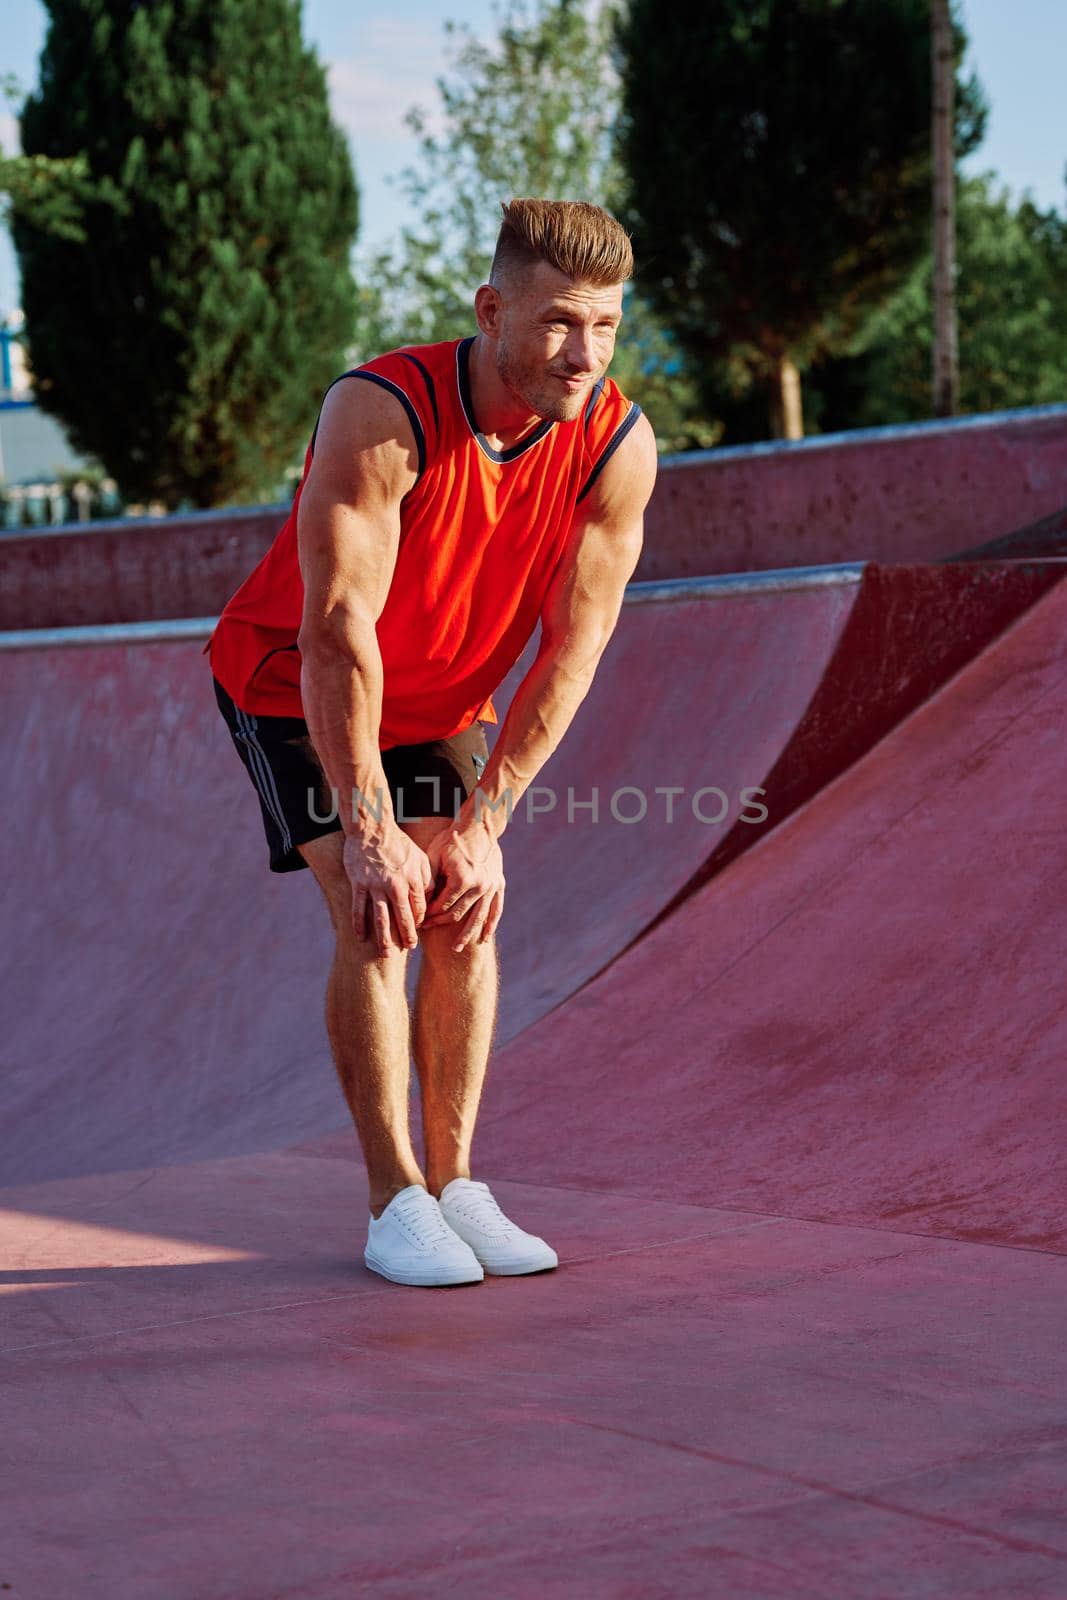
x,y
40,1242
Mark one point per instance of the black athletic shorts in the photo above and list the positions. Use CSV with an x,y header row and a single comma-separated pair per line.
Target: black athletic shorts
x,y
425,780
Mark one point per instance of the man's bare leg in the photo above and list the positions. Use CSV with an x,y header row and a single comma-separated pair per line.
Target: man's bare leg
x,y
367,1021
454,1018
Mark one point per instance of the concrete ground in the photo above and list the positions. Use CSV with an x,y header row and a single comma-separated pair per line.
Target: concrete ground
x,y
799,1144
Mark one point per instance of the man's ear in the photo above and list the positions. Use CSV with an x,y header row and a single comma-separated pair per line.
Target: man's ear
x,y
488,309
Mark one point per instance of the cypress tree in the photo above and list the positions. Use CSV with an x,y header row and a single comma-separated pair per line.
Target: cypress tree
x,y
778,154
185,341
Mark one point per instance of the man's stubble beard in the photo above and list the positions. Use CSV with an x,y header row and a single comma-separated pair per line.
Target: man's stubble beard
x,y
536,390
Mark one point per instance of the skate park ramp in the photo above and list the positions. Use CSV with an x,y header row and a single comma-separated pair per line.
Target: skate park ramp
x,y
799,1147
1043,539
863,1017
163,990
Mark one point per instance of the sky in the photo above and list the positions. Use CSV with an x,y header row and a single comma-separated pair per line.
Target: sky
x,y
382,60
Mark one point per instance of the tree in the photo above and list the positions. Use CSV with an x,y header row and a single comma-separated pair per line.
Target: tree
x,y
778,155
51,194
946,373
185,338
530,113
1012,305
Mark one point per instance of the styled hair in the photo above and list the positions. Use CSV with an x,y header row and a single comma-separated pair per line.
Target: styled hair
x,y
580,240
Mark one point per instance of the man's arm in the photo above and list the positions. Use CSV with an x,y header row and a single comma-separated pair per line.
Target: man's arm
x,y
348,535
578,618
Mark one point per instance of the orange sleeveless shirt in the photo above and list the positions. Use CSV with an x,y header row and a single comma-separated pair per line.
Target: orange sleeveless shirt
x,y
481,533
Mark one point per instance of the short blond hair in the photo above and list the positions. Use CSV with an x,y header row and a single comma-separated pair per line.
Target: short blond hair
x,y
583,241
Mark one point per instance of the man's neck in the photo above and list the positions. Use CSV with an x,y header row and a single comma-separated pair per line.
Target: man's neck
x,y
500,415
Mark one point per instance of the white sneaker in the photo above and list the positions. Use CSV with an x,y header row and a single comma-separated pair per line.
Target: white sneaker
x,y
500,1246
411,1243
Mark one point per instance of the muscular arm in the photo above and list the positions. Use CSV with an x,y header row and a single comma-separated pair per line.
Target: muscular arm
x,y
578,618
348,532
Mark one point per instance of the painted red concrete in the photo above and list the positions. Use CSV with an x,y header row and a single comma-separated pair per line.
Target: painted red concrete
x,y
863,1018
206,1394
909,629
912,494
240,1010
916,493
1041,540
212,1042
800,1150
143,569
692,696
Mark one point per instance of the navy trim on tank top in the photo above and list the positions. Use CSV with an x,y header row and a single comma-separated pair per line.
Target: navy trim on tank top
x,y
610,448
430,390
391,388
463,353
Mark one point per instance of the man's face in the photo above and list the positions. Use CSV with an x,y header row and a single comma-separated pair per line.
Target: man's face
x,y
555,338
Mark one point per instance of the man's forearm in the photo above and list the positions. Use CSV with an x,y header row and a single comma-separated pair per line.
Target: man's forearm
x,y
342,696
540,713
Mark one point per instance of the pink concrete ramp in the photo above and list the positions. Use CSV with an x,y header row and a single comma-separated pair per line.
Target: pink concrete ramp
x,y
712,690
164,990
862,1020
799,1149
702,689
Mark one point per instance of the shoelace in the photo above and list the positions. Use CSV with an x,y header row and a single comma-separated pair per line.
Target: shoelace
x,y
423,1221
482,1207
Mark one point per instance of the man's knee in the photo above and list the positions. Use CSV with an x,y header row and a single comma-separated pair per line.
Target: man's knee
x,y
436,944
325,858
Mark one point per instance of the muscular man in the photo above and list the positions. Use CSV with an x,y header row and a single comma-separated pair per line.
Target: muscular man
x,y
453,495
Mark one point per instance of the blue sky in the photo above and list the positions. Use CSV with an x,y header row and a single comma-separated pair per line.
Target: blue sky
x,y
382,60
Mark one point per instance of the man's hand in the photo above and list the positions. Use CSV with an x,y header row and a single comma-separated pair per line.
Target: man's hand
x,y
470,861
391,878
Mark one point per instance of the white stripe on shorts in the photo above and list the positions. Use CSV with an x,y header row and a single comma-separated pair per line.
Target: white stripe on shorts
x,y
262,776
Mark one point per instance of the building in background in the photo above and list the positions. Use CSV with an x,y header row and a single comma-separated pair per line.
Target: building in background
x,y
42,479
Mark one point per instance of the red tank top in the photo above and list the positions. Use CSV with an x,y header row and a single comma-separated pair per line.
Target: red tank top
x,y
481,532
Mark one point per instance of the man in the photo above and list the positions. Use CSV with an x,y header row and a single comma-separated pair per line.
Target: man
x,y
453,495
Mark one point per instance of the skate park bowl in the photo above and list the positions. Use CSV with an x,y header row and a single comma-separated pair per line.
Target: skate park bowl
x,y
923,492
787,1095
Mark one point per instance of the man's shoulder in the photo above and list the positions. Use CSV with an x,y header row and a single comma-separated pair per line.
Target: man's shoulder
x,y
436,359
419,377
607,410
611,418
424,379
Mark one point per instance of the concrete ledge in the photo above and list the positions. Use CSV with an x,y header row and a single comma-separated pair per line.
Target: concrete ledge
x,y
917,493
132,570
108,633
168,631
904,494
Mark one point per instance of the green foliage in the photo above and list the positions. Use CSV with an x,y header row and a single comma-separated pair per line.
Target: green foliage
x,y
1012,305
649,367
778,154
532,113
185,335
51,194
